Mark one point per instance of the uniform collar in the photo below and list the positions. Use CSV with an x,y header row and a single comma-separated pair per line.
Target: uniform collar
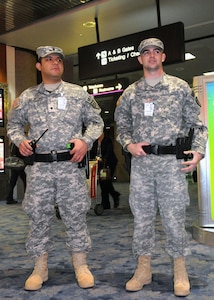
x,y
42,90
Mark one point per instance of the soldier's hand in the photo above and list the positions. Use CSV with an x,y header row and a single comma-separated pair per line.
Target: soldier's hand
x,y
25,149
189,166
136,149
79,150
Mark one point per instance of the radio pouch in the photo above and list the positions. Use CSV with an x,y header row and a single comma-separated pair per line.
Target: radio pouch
x,y
184,144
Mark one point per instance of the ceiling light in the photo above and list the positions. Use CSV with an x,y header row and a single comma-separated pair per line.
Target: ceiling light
x,y
89,24
208,73
189,56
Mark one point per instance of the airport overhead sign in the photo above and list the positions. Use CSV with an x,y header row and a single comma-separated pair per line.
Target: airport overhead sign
x,y
118,56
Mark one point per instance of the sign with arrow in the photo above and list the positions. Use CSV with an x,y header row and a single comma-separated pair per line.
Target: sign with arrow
x,y
107,87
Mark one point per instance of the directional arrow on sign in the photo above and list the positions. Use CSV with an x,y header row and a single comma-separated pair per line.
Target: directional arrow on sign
x,y
119,86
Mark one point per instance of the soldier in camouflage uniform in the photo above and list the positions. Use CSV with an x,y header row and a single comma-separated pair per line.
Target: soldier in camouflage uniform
x,y
54,174
156,110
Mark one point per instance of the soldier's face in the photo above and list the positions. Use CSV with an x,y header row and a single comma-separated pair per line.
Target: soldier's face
x,y
51,66
152,59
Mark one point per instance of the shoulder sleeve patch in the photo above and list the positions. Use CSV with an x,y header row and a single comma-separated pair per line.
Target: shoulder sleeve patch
x,y
93,102
119,101
16,103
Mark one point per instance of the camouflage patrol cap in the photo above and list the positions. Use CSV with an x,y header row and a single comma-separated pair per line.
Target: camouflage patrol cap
x,y
43,51
151,42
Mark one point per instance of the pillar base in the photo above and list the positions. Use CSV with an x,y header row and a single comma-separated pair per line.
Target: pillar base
x,y
203,235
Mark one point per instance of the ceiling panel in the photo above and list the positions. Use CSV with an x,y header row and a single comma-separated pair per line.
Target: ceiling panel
x,y
20,13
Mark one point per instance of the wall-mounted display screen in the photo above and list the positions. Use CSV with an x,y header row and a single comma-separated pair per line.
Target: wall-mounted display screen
x,y
118,56
2,154
1,107
210,112
203,87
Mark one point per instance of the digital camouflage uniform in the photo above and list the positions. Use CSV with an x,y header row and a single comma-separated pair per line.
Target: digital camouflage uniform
x,y
62,182
156,180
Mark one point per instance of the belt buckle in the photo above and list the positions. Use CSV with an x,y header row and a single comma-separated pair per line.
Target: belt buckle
x,y
53,156
155,149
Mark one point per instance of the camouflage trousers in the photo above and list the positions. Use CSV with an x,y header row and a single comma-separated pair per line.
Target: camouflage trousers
x,y
64,183
157,183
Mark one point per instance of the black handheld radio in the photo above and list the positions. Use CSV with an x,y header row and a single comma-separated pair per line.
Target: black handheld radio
x,y
29,160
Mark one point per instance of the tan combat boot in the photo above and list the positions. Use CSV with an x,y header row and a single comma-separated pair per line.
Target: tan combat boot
x,y
181,280
142,275
39,275
83,275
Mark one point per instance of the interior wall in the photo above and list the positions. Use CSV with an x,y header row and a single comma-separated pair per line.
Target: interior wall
x,y
25,70
3,71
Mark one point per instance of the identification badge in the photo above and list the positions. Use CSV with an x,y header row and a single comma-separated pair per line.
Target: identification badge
x,y
148,109
62,101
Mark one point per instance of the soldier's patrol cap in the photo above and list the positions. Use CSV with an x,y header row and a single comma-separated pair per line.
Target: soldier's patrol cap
x,y
151,42
43,51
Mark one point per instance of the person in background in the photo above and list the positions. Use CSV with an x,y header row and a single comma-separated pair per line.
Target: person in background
x,y
153,118
15,173
103,150
56,112
127,158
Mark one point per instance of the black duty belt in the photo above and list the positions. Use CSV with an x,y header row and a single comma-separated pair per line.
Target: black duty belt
x,y
53,156
159,150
